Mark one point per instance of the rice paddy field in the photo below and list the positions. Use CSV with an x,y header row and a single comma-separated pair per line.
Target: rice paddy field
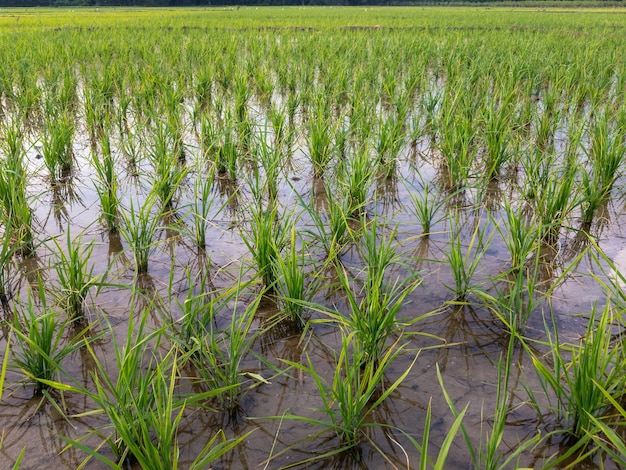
x,y
349,238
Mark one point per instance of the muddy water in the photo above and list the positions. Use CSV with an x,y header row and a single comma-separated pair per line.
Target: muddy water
x,y
464,342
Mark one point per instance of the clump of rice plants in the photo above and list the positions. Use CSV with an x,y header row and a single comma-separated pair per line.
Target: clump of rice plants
x,y
389,143
320,137
357,181
41,343
168,170
201,206
219,355
465,265
606,155
265,238
496,115
427,206
56,148
138,228
107,184
580,386
76,276
335,229
291,285
351,396
16,211
373,311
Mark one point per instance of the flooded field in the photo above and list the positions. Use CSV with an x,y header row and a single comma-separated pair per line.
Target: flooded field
x,y
312,238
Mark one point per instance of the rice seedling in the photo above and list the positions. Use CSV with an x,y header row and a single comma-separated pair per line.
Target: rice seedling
x,y
56,149
41,343
219,356
319,138
265,238
75,275
350,398
520,235
374,317
168,172
578,386
555,201
107,184
291,286
514,301
8,267
427,206
16,211
465,265
425,461
605,434
201,304
201,206
456,142
606,154
389,143
271,160
497,122
334,230
226,156
138,229
547,120
358,180
3,368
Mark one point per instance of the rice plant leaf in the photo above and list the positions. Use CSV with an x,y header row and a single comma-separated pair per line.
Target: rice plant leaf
x,y
5,362
257,377
447,442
